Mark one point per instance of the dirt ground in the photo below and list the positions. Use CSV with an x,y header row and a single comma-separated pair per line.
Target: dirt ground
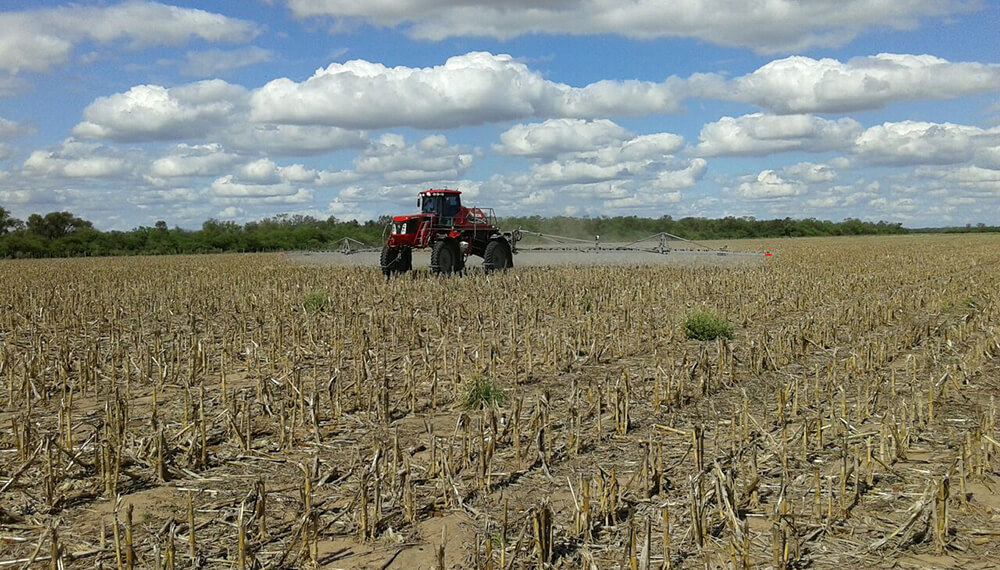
x,y
301,413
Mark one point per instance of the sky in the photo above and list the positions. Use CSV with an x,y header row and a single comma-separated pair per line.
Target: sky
x,y
128,113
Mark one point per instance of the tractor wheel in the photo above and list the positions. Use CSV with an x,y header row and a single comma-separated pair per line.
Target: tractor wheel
x,y
497,256
394,261
445,257
405,261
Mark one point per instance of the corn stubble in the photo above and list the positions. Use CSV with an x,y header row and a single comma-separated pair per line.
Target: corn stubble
x,y
212,414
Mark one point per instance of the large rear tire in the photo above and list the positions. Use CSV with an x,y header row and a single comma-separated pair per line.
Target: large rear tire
x,y
497,256
445,257
395,261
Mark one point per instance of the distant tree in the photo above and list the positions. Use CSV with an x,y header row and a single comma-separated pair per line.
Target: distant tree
x,y
23,244
55,225
8,223
222,235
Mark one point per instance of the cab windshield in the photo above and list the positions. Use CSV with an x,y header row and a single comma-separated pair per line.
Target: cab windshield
x,y
444,205
428,205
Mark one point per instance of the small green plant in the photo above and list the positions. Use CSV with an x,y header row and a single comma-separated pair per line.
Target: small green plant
x,y
314,301
481,392
703,325
965,306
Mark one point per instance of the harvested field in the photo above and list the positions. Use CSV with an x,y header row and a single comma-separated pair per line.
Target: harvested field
x,y
253,411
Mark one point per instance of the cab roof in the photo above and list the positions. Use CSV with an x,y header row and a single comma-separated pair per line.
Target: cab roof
x,y
435,191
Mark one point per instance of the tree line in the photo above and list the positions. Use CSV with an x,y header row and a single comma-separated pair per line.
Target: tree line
x,y
630,228
62,234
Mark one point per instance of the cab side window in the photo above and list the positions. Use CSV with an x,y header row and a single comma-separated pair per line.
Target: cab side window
x,y
452,207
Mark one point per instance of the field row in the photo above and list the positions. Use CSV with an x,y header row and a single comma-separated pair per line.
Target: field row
x,y
247,411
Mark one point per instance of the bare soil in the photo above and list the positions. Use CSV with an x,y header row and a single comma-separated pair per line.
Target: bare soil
x,y
850,422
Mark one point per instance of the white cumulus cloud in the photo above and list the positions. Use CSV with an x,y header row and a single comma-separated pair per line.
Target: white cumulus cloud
x,y
759,134
35,40
298,173
823,202
332,109
764,26
230,187
801,84
210,110
558,136
576,172
988,156
684,178
469,89
193,160
770,185
974,178
266,171
230,212
291,140
810,173
583,154
11,129
431,159
261,171
11,85
650,147
153,112
16,196
917,142
73,159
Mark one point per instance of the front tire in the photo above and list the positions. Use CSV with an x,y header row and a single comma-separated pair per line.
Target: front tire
x,y
497,256
395,261
445,257
405,261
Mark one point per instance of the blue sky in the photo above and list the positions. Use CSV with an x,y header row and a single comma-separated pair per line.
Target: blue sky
x,y
126,113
